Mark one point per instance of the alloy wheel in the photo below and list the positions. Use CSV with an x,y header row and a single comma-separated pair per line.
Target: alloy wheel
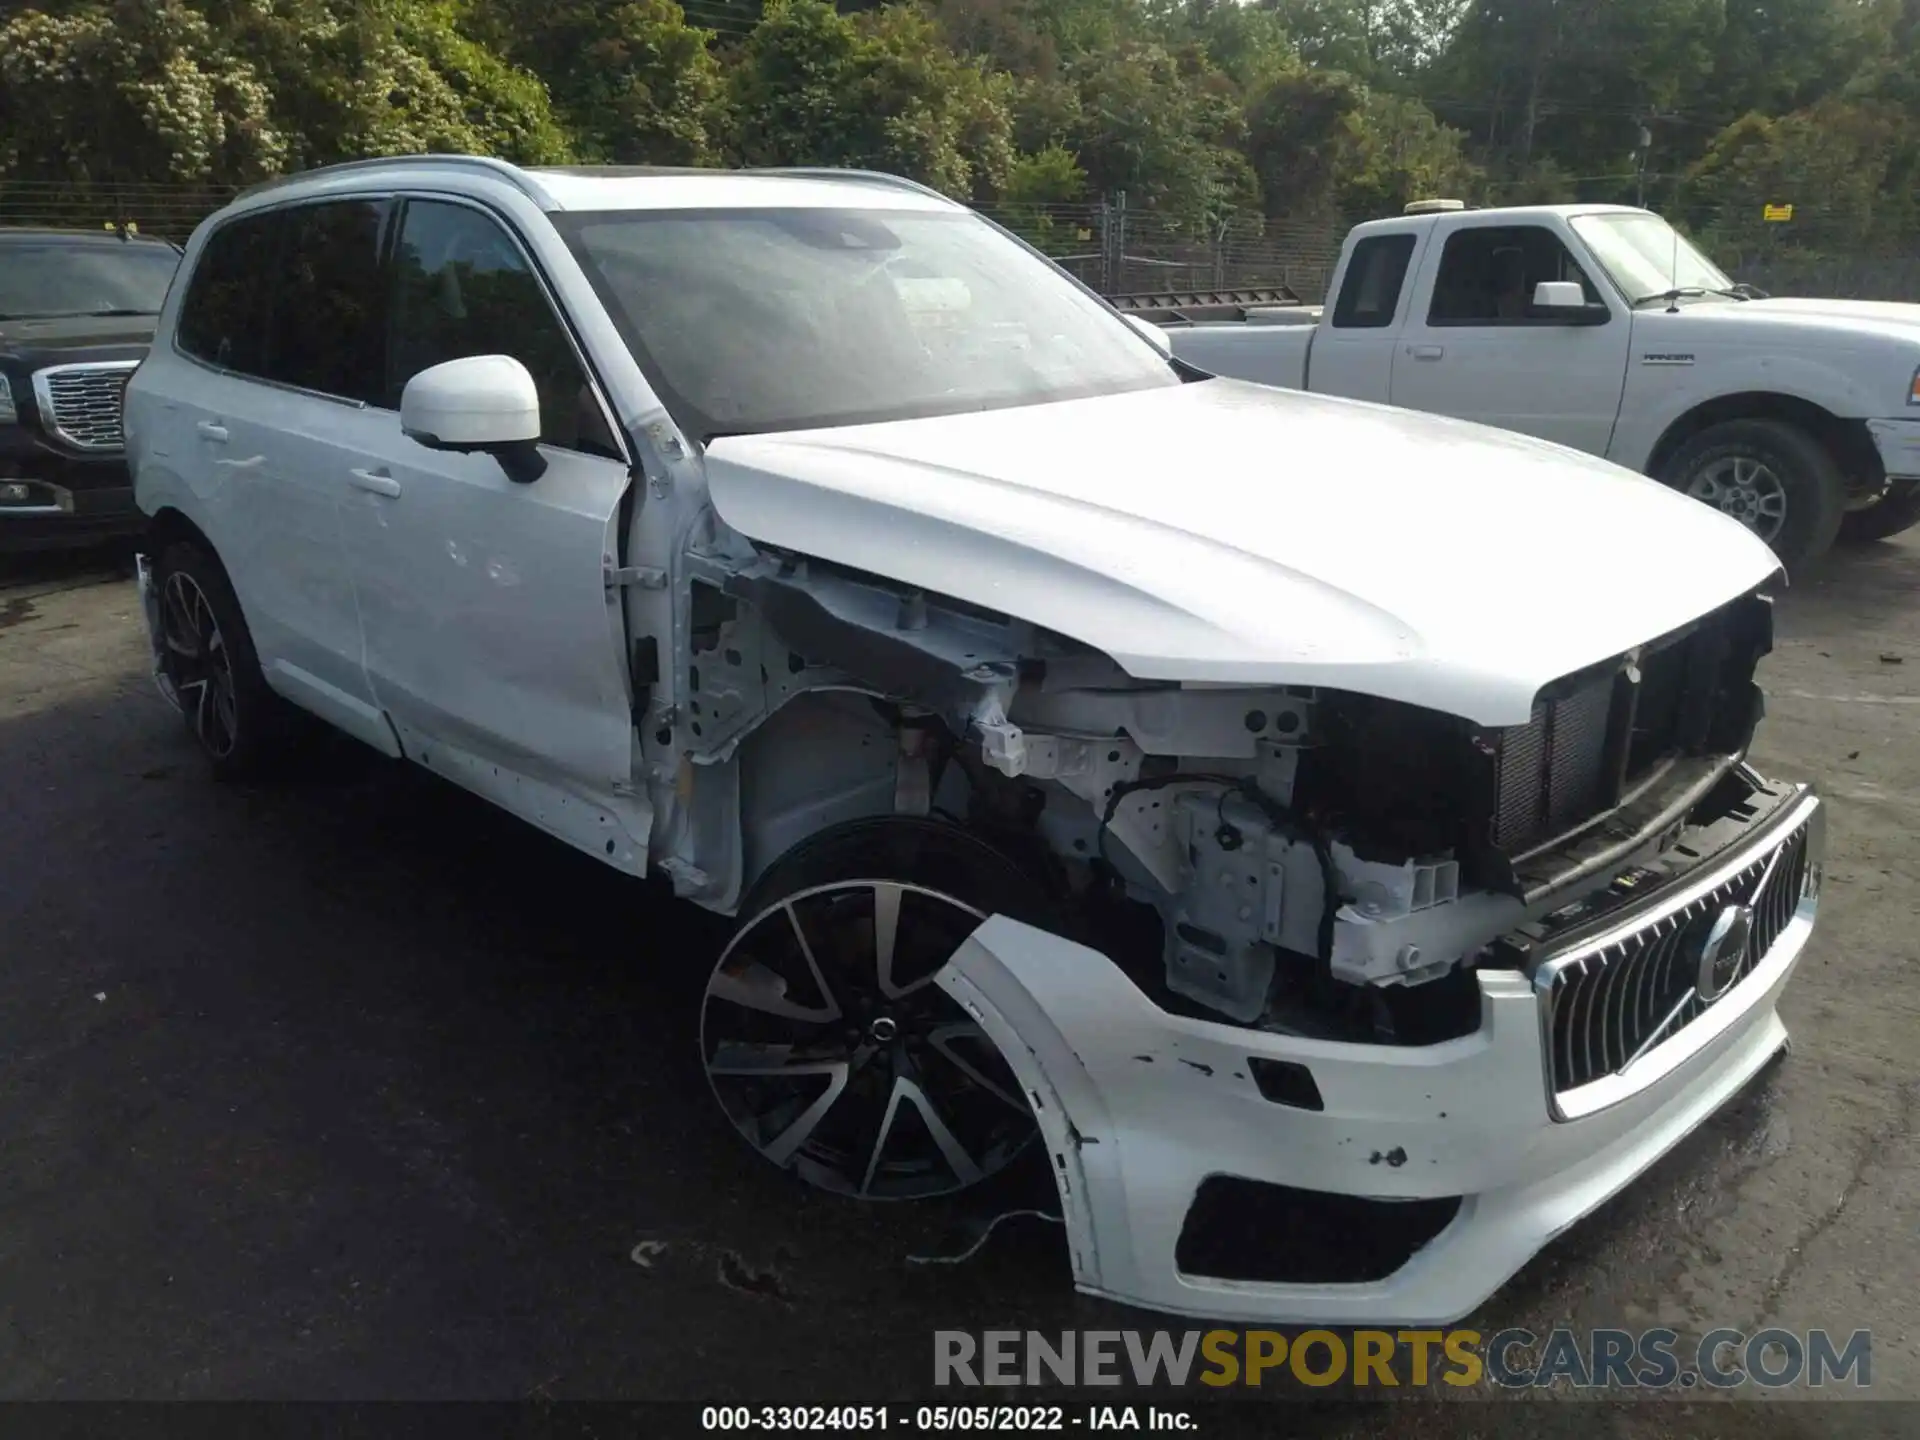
x,y
1746,489
835,1054
199,664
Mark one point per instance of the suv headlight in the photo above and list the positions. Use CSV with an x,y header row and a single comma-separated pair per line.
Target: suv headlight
x,y
9,415
1913,389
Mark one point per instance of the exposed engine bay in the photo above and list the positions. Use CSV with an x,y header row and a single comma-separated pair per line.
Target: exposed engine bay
x,y
1318,862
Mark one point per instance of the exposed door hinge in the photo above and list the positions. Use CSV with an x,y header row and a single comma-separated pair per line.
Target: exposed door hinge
x,y
637,575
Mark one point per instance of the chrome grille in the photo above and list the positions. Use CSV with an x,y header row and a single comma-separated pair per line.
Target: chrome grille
x,y
82,404
1610,1006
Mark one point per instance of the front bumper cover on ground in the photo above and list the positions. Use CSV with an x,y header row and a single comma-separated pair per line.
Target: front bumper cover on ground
x,y
1138,1108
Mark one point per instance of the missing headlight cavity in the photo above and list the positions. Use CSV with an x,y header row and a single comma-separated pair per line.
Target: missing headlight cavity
x,y
1238,1229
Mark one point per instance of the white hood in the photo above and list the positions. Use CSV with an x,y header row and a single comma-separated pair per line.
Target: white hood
x,y
1226,533
1886,316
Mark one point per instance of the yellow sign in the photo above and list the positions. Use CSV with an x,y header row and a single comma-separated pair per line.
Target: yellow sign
x,y
1777,212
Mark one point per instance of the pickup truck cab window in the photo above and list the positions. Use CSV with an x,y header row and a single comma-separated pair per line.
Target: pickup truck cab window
x,y
1487,275
462,287
755,320
1370,295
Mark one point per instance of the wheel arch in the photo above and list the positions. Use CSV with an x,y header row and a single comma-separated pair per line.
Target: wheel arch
x,y
1847,441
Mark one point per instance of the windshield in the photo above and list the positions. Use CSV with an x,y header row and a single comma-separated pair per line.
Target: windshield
x,y
749,321
42,279
1646,256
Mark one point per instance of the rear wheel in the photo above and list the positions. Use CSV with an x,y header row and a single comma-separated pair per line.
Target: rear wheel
x,y
1775,479
826,1039
210,664
1894,509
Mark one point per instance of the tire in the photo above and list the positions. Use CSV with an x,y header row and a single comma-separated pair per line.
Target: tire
x,y
1773,477
859,1079
1897,509
240,725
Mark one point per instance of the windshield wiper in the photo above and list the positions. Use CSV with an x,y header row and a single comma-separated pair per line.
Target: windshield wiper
x,y
106,314
1671,297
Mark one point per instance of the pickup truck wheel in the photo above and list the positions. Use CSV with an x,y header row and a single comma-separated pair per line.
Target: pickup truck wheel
x,y
1775,479
209,659
1895,509
824,1036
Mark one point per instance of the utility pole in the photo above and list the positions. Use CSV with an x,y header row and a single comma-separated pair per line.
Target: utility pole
x,y
1640,163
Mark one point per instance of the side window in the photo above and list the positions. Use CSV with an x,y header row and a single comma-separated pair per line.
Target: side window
x,y
328,328
223,313
1488,274
1371,291
462,287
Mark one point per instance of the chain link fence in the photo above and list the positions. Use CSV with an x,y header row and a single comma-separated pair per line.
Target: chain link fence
x,y
1120,249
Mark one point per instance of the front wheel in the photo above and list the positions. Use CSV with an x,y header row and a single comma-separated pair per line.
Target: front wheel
x,y
824,1035
1774,478
1895,509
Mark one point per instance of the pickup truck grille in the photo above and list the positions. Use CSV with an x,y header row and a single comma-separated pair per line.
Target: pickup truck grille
x,y
1604,1010
81,405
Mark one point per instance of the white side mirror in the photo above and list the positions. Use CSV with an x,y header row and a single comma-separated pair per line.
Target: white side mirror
x,y
1559,295
1160,339
484,402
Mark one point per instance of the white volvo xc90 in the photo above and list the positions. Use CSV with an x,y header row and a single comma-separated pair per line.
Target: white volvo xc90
x,y
1320,833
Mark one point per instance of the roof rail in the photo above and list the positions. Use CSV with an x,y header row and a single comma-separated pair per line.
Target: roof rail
x,y
512,174
863,177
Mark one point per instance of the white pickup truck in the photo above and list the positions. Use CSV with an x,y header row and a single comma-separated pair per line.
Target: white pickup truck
x,y
1602,328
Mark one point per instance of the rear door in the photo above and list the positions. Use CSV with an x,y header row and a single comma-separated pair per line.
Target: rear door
x,y
276,323
1353,348
1475,347
492,638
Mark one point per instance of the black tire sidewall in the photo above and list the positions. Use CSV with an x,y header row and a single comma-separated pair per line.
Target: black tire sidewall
x,y
1815,492
1897,510
258,712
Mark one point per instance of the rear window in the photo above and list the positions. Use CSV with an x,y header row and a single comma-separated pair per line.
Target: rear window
x,y
1370,294
223,314
329,308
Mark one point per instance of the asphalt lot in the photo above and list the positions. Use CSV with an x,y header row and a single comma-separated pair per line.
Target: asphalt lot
x,y
349,1087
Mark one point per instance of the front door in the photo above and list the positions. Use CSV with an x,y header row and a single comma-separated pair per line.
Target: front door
x,y
1477,350
492,639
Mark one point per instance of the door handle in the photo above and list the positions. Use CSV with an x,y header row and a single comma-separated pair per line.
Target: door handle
x,y
377,482
1426,352
207,430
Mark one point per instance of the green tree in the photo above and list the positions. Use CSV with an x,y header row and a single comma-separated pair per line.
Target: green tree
x,y
633,81
388,77
131,90
879,90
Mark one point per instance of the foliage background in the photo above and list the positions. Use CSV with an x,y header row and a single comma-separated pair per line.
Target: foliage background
x,y
1215,119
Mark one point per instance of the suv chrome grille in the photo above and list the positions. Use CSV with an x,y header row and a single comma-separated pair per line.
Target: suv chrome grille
x,y
1605,1008
82,404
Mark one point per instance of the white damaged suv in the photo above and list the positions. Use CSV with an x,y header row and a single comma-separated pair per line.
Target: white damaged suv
x,y
1320,833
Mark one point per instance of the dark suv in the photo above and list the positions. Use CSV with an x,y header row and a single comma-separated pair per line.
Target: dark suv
x,y
77,310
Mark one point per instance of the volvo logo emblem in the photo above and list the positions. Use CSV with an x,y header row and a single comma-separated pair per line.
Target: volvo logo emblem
x,y
1723,952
